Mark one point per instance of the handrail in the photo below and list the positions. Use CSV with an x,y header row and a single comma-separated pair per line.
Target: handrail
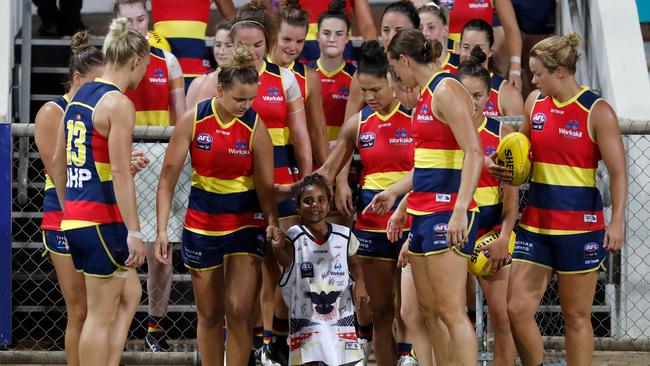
x,y
24,103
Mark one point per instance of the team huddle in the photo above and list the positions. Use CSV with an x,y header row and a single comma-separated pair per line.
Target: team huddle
x,y
299,253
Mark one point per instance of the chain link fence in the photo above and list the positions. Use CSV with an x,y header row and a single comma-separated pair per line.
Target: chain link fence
x,y
621,309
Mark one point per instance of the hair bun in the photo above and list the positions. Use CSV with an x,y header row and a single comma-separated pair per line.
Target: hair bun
x,y
241,58
573,39
119,28
336,6
291,5
477,56
80,42
370,51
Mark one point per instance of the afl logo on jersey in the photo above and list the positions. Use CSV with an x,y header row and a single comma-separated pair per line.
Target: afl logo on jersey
x,y
538,120
306,270
367,139
204,141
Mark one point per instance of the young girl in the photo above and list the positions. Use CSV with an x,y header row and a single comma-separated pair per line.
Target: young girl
x,y
320,263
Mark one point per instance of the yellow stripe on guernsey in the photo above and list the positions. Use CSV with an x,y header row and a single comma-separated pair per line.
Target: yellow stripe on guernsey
x,y
382,181
562,175
487,196
333,133
104,172
223,186
279,136
216,233
48,182
182,28
152,118
438,159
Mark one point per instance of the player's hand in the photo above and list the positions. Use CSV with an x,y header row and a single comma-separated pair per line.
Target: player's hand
x,y
285,191
138,161
497,253
343,199
275,236
403,258
497,171
361,296
515,80
162,249
395,226
457,229
381,203
136,252
614,237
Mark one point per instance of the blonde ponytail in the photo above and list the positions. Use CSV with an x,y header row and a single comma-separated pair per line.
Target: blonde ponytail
x,y
122,43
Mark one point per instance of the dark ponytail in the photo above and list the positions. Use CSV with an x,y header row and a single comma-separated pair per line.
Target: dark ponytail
x,y
411,42
373,60
336,10
473,67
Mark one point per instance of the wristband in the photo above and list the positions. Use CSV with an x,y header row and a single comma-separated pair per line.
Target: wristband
x,y
516,59
515,72
135,234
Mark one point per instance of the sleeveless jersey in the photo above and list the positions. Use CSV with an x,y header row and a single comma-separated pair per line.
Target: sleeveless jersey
x,y
183,24
151,97
563,198
318,290
493,105
451,63
462,11
315,8
271,105
223,197
335,89
52,213
89,195
385,145
438,159
488,192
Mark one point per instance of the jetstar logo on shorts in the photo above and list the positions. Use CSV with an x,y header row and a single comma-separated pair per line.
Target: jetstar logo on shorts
x,y
443,197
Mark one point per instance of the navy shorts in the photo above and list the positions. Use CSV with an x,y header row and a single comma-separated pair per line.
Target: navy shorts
x,y
429,234
99,250
489,218
375,245
311,52
576,253
287,208
54,242
205,252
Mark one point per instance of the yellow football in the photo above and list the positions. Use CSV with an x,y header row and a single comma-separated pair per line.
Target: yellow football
x,y
512,153
158,41
478,259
